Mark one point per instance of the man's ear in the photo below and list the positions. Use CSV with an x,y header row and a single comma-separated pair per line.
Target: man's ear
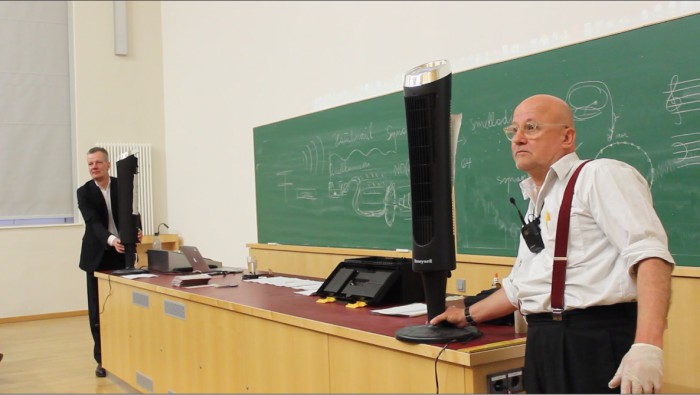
x,y
569,137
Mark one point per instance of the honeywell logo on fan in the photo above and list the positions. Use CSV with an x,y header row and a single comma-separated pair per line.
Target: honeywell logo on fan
x,y
420,261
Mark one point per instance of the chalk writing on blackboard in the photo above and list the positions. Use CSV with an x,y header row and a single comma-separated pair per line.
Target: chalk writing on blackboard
x,y
284,184
640,160
313,160
363,167
500,119
683,96
359,162
687,149
589,99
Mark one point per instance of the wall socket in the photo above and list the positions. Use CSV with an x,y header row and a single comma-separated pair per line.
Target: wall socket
x,y
507,382
515,381
497,383
461,285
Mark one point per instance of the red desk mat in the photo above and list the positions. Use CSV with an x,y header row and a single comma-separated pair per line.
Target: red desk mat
x,y
284,300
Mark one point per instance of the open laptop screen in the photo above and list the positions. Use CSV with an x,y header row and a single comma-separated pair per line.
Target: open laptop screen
x,y
195,258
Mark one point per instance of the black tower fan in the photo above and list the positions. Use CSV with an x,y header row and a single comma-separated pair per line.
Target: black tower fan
x,y
427,95
129,219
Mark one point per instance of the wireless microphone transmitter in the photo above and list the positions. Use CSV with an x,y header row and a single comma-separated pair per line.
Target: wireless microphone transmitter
x,y
530,231
532,236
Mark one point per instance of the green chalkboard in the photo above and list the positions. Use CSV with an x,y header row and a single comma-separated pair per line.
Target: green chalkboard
x,y
336,178
339,177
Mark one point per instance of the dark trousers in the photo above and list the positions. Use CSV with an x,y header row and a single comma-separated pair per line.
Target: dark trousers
x,y
580,353
112,260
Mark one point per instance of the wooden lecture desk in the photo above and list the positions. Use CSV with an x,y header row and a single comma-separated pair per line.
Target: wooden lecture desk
x,y
263,338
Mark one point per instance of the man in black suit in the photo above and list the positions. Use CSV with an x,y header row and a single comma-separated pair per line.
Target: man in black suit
x,y
102,249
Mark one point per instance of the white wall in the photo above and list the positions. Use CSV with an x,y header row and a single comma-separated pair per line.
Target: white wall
x,y
227,67
117,99
232,66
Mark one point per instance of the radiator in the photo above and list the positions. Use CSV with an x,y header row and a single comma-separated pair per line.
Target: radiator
x,y
143,182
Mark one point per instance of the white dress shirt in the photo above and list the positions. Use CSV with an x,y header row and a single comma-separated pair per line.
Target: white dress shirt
x,y
112,226
613,227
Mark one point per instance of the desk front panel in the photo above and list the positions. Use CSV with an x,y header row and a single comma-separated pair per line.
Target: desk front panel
x,y
129,331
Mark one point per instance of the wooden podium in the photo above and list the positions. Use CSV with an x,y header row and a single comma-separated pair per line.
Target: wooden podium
x,y
259,338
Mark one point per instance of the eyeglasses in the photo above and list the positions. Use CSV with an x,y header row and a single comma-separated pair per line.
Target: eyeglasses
x,y
530,129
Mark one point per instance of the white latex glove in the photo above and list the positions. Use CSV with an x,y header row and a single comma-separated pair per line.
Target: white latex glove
x,y
641,370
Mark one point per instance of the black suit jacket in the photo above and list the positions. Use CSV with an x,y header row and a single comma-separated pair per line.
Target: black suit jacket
x,y
93,207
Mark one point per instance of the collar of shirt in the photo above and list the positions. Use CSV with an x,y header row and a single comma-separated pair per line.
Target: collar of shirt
x,y
105,190
559,169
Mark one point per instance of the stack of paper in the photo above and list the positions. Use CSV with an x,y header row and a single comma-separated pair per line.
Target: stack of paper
x,y
306,287
409,310
413,309
190,280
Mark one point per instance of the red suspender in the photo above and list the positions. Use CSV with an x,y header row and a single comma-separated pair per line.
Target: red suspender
x,y
561,247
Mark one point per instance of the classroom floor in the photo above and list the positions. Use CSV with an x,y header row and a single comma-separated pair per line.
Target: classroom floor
x,y
52,356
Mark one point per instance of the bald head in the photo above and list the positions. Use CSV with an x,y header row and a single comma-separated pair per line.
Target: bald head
x,y
551,107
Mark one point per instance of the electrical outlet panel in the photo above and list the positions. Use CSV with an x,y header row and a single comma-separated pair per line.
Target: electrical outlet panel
x,y
497,383
515,381
506,382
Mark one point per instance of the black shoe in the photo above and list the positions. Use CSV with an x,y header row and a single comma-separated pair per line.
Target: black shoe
x,y
100,371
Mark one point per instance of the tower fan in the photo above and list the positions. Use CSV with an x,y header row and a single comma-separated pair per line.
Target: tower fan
x,y
427,95
129,218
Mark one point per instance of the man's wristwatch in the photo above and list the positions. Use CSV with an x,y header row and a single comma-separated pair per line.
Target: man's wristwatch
x,y
468,316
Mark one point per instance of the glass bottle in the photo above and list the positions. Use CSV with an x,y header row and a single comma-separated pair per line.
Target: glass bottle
x,y
156,242
496,283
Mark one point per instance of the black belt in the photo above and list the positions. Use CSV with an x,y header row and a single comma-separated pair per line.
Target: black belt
x,y
594,312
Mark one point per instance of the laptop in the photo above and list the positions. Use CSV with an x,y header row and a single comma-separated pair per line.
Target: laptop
x,y
200,265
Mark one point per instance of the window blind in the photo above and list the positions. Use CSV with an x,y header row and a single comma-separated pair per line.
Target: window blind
x,y
36,176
